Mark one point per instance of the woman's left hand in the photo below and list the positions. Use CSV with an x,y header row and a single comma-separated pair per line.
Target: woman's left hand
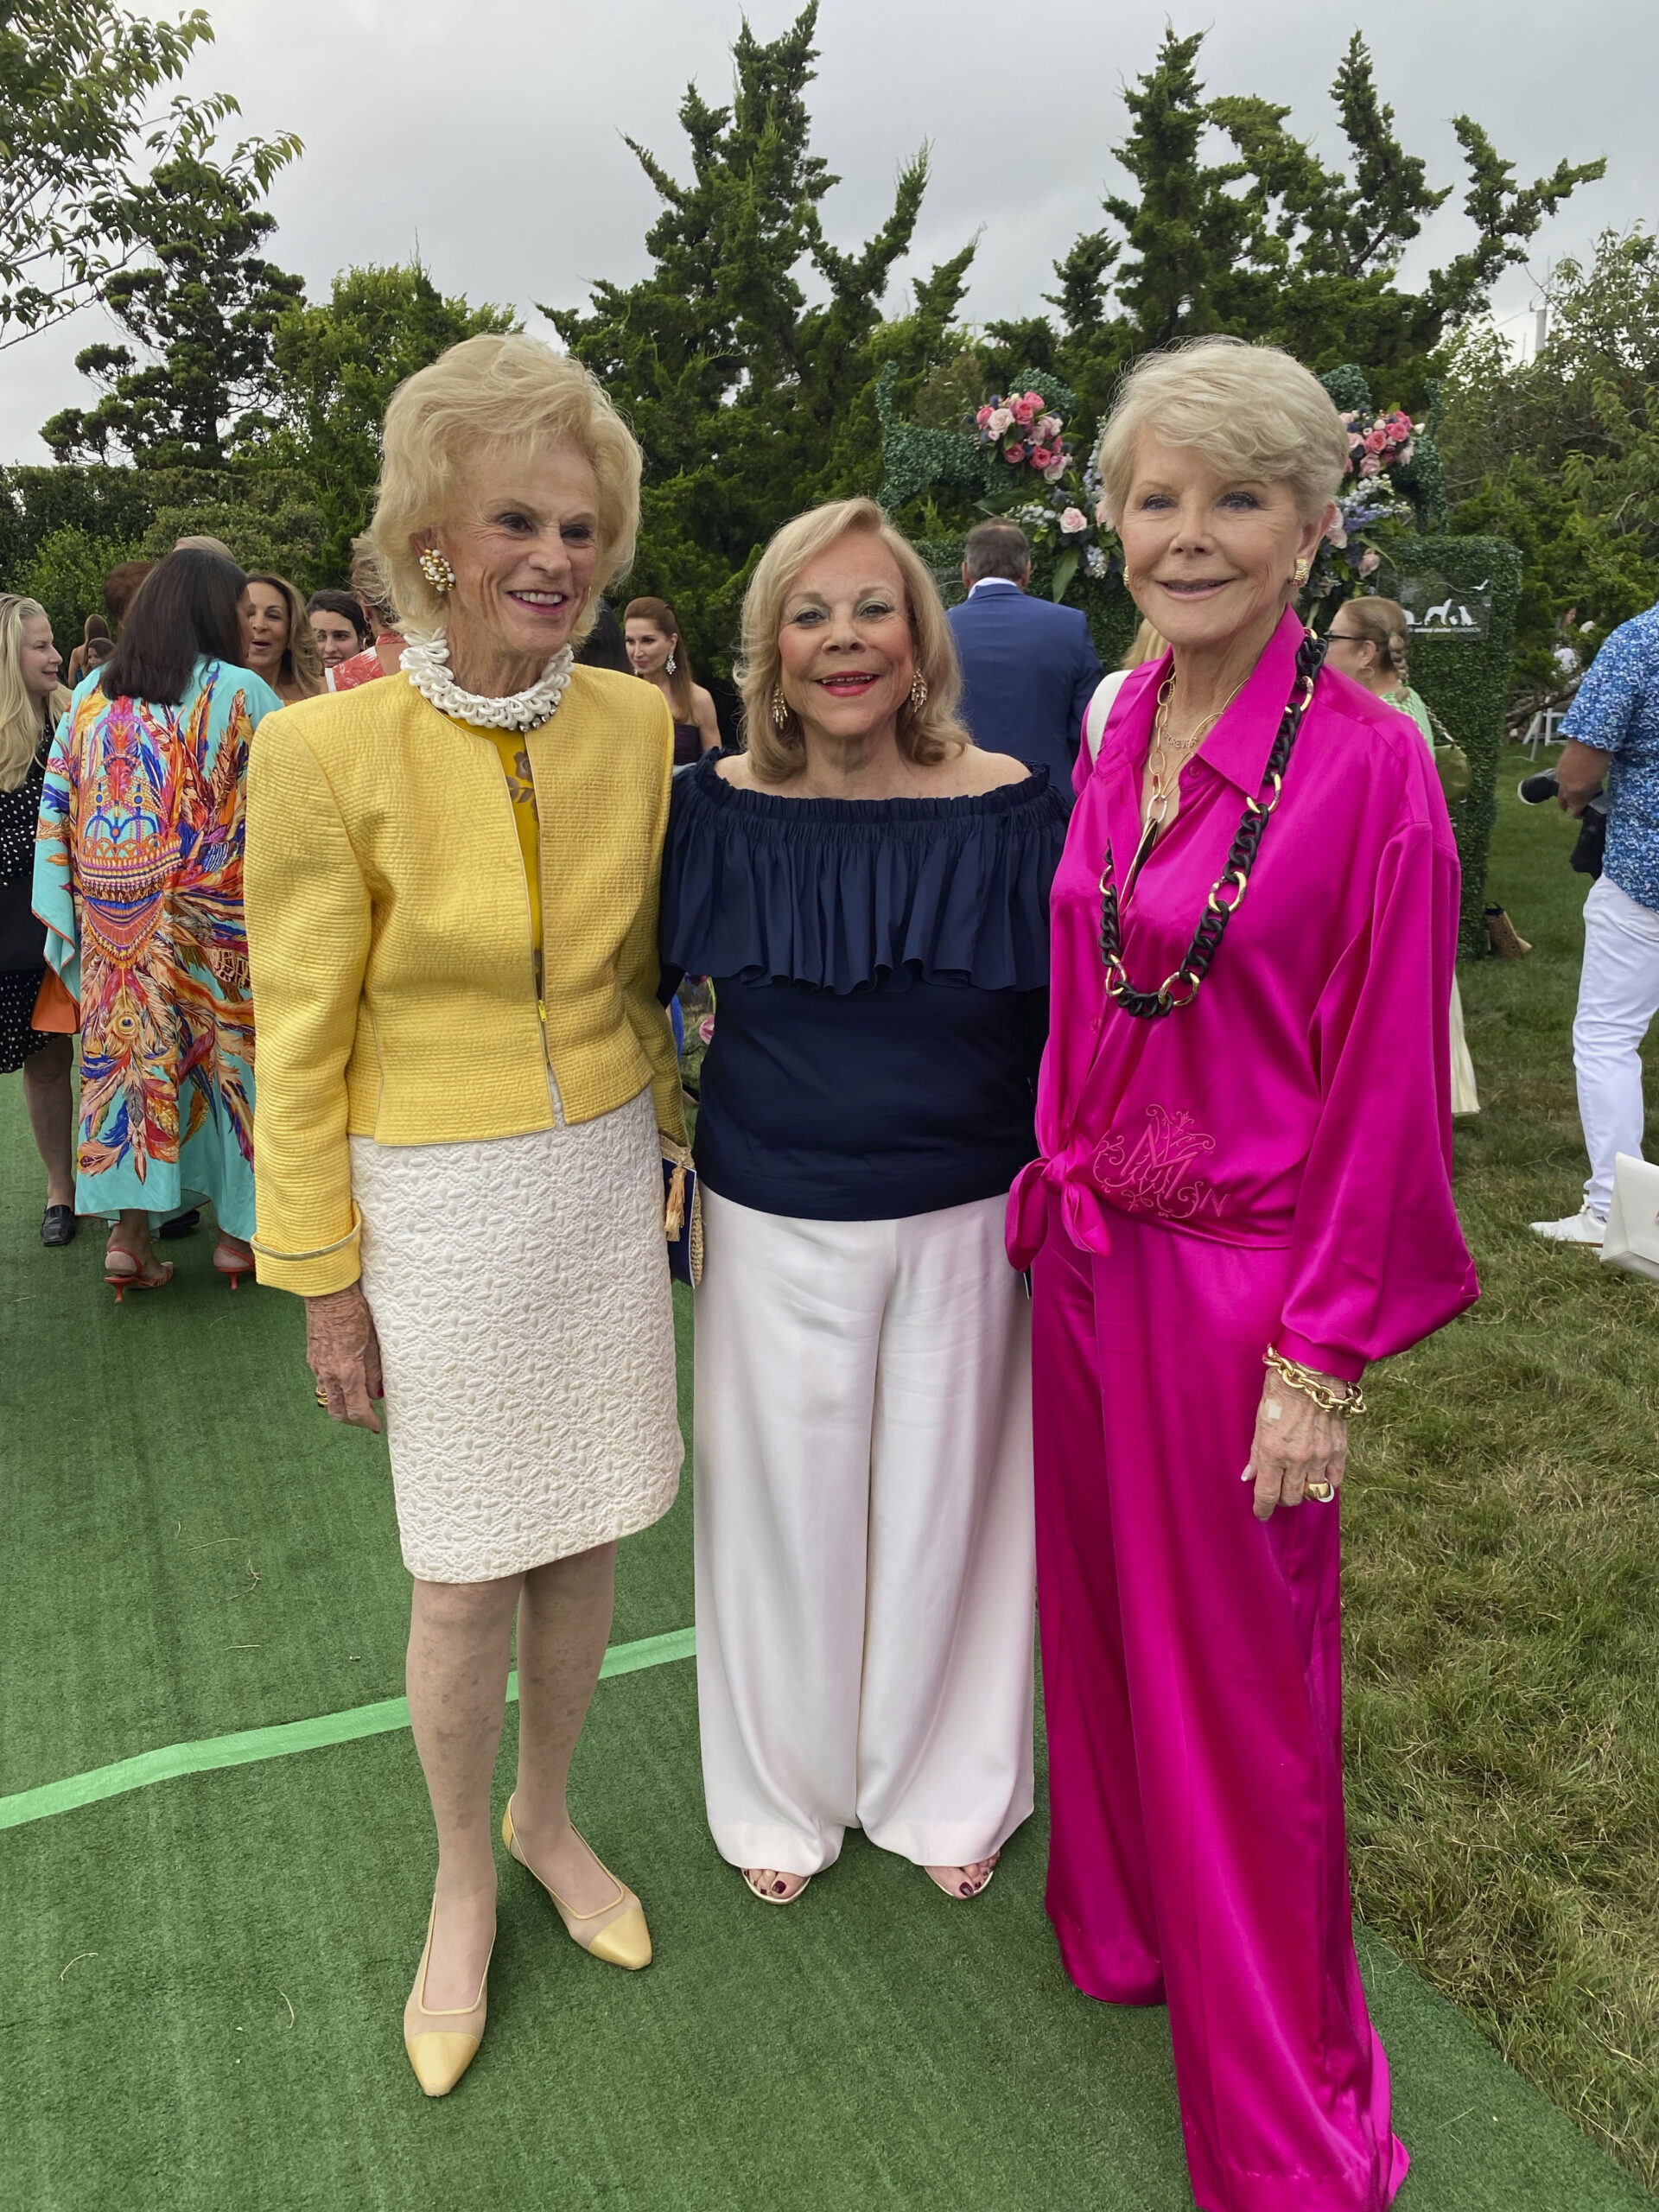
x,y
1296,1443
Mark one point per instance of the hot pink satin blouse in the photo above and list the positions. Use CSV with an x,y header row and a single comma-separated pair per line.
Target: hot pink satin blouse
x,y
1303,1100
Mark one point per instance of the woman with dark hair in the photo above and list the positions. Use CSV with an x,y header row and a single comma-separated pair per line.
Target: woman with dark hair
x,y
384,653
138,878
339,626
278,644
652,633
95,630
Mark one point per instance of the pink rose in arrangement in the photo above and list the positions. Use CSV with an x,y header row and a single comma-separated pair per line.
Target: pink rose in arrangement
x,y
1369,560
1000,421
1336,536
983,416
1024,412
1049,429
1037,400
705,1029
1370,466
1072,522
1041,457
1376,441
1056,469
1014,454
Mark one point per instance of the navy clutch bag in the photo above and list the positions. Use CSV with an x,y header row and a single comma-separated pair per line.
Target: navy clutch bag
x,y
683,1217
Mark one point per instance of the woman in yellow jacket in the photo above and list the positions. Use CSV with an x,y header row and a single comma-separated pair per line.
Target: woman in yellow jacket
x,y
464,1074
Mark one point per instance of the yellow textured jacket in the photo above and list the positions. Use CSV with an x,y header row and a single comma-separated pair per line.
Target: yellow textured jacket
x,y
389,934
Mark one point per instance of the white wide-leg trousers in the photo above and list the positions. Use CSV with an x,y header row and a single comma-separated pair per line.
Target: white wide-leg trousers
x,y
1618,996
865,1554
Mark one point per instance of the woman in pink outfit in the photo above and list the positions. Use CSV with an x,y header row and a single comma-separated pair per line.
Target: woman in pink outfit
x,y
1244,1196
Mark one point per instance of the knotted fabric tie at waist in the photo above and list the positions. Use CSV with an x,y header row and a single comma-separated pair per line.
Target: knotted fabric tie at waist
x,y
1084,1212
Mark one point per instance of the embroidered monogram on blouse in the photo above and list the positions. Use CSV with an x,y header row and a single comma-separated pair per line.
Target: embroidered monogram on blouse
x,y
1151,1173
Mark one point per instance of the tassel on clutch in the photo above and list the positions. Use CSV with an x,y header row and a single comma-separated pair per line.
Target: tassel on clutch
x,y
681,1214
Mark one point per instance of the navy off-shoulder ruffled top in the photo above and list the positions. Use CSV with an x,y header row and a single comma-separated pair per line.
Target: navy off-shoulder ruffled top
x,y
881,969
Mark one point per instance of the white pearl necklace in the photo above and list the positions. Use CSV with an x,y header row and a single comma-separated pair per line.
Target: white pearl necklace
x,y
426,664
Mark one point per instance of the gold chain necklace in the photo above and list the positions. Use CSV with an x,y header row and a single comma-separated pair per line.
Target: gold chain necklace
x,y
1176,753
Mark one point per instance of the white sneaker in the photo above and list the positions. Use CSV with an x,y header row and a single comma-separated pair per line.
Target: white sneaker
x,y
1582,1228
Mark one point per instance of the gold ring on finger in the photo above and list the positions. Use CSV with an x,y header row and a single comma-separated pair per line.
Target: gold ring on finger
x,y
1321,1493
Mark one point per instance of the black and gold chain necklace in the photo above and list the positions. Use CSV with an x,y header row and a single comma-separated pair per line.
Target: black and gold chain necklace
x,y
1180,987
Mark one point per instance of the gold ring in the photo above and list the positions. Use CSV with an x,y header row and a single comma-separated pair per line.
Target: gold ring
x,y
1321,1493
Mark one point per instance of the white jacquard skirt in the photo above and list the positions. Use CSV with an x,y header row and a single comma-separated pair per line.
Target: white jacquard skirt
x,y
520,1293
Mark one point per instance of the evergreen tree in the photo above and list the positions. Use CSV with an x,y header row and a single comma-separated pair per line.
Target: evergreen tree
x,y
205,308
1560,454
335,366
1273,244
751,404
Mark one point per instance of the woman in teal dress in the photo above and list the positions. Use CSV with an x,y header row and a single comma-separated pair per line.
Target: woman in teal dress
x,y
138,878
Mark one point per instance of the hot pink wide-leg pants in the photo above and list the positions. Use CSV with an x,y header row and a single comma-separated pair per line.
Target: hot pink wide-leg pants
x,y
1193,1687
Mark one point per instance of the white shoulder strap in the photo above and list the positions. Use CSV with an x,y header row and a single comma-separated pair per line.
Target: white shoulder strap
x,y
1095,714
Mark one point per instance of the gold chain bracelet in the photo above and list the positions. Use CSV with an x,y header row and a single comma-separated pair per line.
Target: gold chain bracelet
x,y
1351,1404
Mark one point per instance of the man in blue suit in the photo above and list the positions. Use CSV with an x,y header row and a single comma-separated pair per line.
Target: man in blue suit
x,y
1029,669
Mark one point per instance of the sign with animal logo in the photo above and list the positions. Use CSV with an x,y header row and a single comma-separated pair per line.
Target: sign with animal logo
x,y
1435,608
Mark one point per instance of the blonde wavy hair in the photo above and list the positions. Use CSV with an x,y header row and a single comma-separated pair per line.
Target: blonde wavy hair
x,y
1253,411
487,393
302,664
20,708
926,733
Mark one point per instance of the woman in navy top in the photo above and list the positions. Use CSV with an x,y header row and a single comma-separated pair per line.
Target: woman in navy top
x,y
869,891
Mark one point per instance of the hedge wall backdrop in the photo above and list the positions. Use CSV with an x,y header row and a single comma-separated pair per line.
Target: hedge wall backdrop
x,y
1463,593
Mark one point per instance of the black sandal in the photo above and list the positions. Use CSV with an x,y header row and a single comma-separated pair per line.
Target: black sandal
x,y
58,1226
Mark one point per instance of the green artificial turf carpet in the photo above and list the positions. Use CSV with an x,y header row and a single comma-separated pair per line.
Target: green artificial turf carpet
x,y
205,1976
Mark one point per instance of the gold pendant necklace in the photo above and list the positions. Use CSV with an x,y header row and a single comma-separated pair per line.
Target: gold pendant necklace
x,y
1177,754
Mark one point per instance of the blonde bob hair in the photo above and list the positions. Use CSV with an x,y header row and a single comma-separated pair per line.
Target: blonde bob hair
x,y
926,733
492,394
21,726
1252,411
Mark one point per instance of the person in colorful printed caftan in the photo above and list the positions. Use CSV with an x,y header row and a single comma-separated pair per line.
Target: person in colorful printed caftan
x,y
138,878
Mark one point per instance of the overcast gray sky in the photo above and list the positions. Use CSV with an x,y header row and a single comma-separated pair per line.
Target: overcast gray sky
x,y
487,133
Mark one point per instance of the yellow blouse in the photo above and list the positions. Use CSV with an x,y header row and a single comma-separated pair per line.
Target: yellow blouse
x,y
521,790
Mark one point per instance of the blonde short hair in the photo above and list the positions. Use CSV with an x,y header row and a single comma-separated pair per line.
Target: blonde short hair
x,y
21,725
509,392
926,733
1250,410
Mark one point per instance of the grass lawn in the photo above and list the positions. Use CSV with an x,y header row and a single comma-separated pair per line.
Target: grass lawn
x,y
1502,1577
205,1977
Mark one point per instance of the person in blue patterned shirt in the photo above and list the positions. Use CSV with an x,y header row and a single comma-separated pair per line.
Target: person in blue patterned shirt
x,y
1612,733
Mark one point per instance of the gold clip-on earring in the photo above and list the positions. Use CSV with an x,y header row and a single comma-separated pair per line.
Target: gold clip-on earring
x,y
1304,568
434,567
918,691
780,711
